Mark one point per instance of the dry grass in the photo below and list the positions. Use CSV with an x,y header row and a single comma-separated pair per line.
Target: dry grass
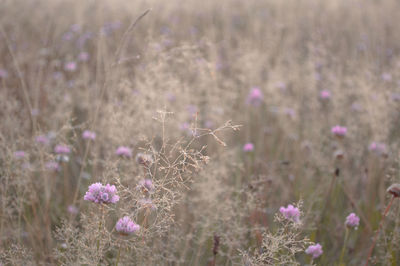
x,y
164,83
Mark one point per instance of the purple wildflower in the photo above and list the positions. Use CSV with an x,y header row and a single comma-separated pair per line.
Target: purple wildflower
x,y
146,185
248,147
126,226
339,131
19,154
290,213
123,151
352,220
42,139
378,148
255,97
325,95
52,166
62,149
98,193
89,135
72,209
314,250
70,66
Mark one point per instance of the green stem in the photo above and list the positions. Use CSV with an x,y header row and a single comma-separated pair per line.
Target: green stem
x,y
119,253
371,249
100,225
346,236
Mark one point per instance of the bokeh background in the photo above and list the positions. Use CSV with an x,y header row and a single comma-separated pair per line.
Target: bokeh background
x,y
231,103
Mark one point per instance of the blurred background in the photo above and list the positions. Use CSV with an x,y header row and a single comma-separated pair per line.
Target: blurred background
x,y
238,107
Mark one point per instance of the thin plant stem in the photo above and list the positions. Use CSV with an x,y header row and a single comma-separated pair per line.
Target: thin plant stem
x,y
346,236
379,229
100,225
118,256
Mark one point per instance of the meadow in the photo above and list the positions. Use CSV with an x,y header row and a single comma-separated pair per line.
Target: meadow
x,y
229,132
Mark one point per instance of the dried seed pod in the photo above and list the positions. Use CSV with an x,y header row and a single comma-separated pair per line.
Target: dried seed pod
x,y
144,159
394,190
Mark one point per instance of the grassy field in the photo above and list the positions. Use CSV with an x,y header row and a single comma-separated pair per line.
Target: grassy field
x,y
230,132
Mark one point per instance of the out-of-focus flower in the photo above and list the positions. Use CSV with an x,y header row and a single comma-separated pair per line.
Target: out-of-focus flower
x,y
314,250
291,213
126,226
52,166
70,66
325,95
339,131
123,151
72,209
89,135
146,185
352,220
378,148
394,190
42,139
248,147
144,159
19,154
255,97
62,149
98,193
83,56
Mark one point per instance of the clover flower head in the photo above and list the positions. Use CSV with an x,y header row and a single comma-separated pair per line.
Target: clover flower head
x,y
325,95
99,193
123,151
339,131
248,147
352,220
290,212
378,148
255,97
62,149
125,226
314,250
42,139
70,66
